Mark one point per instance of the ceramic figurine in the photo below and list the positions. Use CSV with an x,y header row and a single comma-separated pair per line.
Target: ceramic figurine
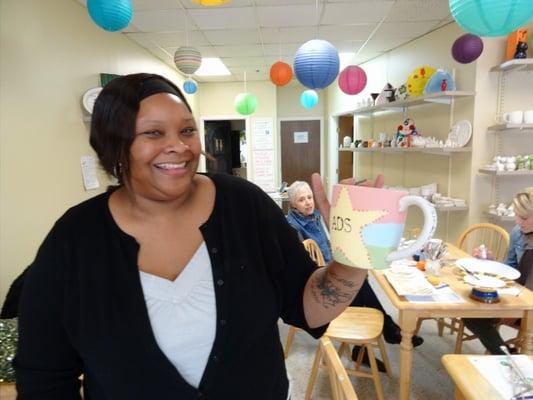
x,y
405,133
521,50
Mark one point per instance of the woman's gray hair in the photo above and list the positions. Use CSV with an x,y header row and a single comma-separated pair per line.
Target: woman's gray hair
x,y
523,203
295,188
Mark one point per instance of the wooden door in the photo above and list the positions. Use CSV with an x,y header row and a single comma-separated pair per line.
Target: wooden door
x,y
345,158
300,150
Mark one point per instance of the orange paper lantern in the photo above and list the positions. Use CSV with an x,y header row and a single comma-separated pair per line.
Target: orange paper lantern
x,y
280,73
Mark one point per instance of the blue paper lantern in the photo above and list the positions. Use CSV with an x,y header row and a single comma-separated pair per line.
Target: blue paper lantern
x,y
316,64
491,17
190,87
111,15
309,98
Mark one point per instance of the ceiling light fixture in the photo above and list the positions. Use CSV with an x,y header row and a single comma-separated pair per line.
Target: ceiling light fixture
x,y
212,67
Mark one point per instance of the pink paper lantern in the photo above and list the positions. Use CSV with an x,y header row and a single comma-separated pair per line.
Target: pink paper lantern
x,y
352,79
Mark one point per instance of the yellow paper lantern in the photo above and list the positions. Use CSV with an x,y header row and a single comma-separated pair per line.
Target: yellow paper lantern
x,y
418,79
211,3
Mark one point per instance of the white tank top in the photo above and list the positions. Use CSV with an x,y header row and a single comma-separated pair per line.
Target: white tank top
x,y
183,315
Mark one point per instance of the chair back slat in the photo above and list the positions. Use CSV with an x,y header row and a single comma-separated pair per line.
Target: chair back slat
x,y
341,387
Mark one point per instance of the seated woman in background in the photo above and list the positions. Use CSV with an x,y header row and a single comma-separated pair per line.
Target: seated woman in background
x,y
308,223
520,256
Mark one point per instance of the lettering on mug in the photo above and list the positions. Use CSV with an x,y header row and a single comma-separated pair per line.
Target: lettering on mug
x,y
341,224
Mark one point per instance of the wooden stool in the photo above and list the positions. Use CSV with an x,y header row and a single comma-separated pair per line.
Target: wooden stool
x,y
361,326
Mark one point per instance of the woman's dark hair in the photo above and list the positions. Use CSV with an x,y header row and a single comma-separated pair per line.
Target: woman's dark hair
x,y
114,116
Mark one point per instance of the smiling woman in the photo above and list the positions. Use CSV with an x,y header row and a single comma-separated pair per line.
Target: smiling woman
x,y
147,289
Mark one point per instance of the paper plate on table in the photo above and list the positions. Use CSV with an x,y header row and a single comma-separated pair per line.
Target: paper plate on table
x,y
485,281
490,267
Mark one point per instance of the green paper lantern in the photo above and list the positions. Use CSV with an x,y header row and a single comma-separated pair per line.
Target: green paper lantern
x,y
491,17
245,103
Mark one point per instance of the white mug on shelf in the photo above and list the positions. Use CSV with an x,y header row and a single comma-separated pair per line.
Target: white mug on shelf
x,y
513,117
528,117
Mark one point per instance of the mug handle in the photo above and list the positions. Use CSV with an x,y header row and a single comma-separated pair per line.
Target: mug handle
x,y
430,224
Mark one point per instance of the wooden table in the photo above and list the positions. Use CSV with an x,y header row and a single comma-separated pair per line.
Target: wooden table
x,y
7,391
509,307
469,383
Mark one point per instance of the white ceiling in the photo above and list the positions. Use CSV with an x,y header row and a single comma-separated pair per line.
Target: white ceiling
x,y
250,35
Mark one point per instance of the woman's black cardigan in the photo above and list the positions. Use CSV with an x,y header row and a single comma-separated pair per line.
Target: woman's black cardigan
x,y
83,312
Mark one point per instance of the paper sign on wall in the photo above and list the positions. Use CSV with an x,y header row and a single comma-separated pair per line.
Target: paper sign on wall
x,y
301,137
263,162
262,133
88,171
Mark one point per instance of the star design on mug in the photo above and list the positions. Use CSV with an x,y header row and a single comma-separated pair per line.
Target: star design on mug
x,y
349,245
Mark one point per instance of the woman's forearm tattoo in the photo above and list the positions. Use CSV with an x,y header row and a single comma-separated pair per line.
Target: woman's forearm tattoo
x,y
331,290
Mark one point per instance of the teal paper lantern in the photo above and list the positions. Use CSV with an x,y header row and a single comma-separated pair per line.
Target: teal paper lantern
x,y
316,64
110,15
245,103
309,98
190,87
491,17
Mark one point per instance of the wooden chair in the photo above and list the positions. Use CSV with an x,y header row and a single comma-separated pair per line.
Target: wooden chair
x,y
361,326
314,251
341,387
496,239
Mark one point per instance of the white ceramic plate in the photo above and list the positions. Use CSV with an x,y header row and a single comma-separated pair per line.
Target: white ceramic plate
x,y
89,97
488,266
461,133
485,281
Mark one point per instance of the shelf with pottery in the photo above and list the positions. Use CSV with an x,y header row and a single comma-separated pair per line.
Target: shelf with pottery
x,y
525,128
445,97
443,151
523,64
499,218
502,130
519,172
454,208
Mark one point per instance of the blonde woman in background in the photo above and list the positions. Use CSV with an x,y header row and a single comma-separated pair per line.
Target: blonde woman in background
x,y
519,256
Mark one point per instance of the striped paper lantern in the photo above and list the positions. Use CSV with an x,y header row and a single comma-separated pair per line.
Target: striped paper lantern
x,y
245,103
352,79
187,59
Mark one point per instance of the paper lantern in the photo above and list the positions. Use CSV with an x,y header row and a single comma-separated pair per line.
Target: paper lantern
x,y
491,17
418,79
352,79
309,98
190,87
211,3
187,59
280,73
110,15
467,48
245,103
316,64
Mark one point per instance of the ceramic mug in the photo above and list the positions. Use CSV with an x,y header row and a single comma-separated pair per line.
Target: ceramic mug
x,y
513,117
366,225
528,117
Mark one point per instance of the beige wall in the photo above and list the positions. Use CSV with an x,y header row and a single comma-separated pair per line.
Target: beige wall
x,y
50,54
